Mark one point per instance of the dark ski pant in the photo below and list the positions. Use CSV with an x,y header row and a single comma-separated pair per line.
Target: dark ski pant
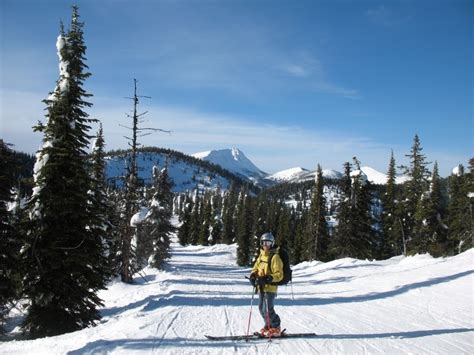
x,y
264,298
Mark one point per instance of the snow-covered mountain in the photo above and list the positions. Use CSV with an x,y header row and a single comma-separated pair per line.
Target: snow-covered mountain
x,y
289,174
186,172
235,161
301,174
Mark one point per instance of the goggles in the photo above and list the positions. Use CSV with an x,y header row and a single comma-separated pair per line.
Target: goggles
x,y
267,243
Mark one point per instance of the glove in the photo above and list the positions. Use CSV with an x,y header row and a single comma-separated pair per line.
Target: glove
x,y
252,279
262,281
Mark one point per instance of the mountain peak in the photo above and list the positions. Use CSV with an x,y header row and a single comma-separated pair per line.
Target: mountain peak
x,y
232,159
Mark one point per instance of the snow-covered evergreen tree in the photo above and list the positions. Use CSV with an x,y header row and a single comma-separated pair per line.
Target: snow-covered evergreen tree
x,y
216,222
459,211
184,232
429,231
206,221
99,205
9,234
64,259
158,221
354,234
393,243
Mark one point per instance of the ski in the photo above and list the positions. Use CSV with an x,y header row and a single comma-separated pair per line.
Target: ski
x,y
257,336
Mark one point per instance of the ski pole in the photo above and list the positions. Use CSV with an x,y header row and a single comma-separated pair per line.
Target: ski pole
x,y
250,315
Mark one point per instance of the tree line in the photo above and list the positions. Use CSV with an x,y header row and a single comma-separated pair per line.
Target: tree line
x,y
328,219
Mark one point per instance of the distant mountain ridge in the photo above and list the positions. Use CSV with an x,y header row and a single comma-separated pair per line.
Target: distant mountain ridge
x,y
217,169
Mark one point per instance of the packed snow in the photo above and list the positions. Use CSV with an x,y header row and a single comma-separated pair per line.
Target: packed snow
x,y
417,305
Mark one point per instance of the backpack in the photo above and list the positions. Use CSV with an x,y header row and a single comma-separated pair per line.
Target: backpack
x,y
287,272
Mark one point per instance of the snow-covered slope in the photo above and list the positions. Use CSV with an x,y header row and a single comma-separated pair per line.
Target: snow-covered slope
x,y
376,177
413,305
184,171
233,160
299,174
289,174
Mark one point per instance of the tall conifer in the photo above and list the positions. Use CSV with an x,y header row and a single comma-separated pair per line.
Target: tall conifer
x,y
64,258
9,236
317,225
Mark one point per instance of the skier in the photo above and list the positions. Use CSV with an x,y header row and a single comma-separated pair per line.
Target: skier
x,y
262,277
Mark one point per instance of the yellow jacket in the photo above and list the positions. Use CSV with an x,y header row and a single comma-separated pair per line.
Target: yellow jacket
x,y
260,268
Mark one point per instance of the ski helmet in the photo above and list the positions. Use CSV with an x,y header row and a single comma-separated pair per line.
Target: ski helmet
x,y
267,237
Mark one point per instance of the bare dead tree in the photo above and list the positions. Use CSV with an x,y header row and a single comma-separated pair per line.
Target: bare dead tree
x,y
131,184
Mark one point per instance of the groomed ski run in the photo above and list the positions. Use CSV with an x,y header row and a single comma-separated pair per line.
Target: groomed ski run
x,y
417,305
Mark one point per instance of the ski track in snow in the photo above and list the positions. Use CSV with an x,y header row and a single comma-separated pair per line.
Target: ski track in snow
x,y
417,305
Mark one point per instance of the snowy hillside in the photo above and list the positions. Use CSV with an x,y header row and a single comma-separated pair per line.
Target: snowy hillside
x,y
376,177
417,305
233,160
187,173
301,174
289,174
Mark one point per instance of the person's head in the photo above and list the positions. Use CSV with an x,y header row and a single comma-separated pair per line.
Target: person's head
x,y
267,240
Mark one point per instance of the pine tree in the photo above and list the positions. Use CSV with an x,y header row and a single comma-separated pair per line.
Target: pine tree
x,y
318,240
244,229
342,245
101,226
64,259
393,243
216,222
206,218
414,189
362,214
115,212
9,236
184,232
429,232
300,248
158,222
196,220
283,227
230,201
459,212
354,235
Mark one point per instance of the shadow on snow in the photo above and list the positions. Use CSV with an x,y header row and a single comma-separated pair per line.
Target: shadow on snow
x,y
150,344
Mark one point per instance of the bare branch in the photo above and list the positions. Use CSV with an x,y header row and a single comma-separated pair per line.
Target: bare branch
x,y
121,125
141,114
155,129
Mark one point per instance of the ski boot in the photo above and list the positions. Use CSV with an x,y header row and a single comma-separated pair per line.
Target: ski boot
x,y
274,332
263,332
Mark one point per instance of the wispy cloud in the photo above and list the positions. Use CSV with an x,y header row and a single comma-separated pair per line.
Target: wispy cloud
x,y
271,147
385,16
296,70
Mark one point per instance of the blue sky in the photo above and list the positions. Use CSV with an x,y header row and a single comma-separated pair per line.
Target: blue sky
x,y
290,83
